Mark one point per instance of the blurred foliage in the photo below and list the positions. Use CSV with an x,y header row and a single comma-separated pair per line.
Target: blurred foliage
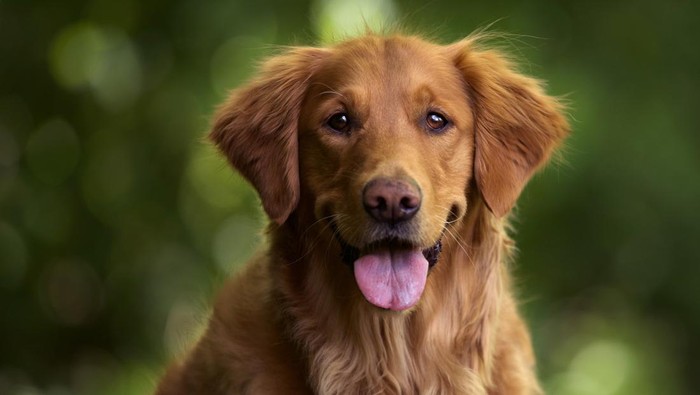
x,y
117,222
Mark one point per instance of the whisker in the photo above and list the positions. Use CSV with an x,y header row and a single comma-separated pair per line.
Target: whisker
x,y
313,243
457,240
330,90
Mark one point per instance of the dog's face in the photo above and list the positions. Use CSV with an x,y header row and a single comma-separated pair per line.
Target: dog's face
x,y
383,136
386,142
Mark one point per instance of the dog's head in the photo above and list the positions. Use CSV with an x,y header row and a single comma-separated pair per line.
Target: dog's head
x,y
383,137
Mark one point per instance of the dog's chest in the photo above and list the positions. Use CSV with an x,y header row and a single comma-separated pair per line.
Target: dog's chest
x,y
393,370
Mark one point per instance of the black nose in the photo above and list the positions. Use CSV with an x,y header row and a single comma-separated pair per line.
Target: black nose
x,y
391,200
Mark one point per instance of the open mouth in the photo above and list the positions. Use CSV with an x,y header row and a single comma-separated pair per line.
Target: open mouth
x,y
350,254
390,273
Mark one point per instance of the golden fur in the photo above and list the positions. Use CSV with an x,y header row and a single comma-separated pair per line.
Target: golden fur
x,y
293,321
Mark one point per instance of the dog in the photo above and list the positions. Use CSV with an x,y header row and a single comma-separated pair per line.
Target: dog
x,y
388,166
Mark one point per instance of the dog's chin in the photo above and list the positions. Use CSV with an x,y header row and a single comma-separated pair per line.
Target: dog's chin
x,y
391,273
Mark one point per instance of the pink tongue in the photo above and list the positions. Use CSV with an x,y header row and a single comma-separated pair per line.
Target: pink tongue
x,y
392,279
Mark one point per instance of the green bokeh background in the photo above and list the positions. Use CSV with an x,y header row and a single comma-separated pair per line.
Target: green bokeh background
x,y
118,222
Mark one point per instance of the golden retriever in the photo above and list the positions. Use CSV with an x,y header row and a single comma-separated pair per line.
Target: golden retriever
x,y
388,165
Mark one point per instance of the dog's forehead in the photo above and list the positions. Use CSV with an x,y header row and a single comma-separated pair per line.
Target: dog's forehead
x,y
388,63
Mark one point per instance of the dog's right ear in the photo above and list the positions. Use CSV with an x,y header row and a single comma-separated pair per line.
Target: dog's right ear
x,y
256,128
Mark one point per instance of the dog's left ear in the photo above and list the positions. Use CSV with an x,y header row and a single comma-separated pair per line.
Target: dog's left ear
x,y
517,125
256,128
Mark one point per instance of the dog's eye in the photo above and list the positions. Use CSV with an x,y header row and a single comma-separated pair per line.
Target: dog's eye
x,y
436,121
339,122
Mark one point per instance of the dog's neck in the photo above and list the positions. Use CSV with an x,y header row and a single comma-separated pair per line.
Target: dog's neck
x,y
331,314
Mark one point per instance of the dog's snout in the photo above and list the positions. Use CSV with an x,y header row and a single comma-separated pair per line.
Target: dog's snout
x,y
391,200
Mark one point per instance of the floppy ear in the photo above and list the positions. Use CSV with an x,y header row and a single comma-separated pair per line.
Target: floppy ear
x,y
256,128
516,124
